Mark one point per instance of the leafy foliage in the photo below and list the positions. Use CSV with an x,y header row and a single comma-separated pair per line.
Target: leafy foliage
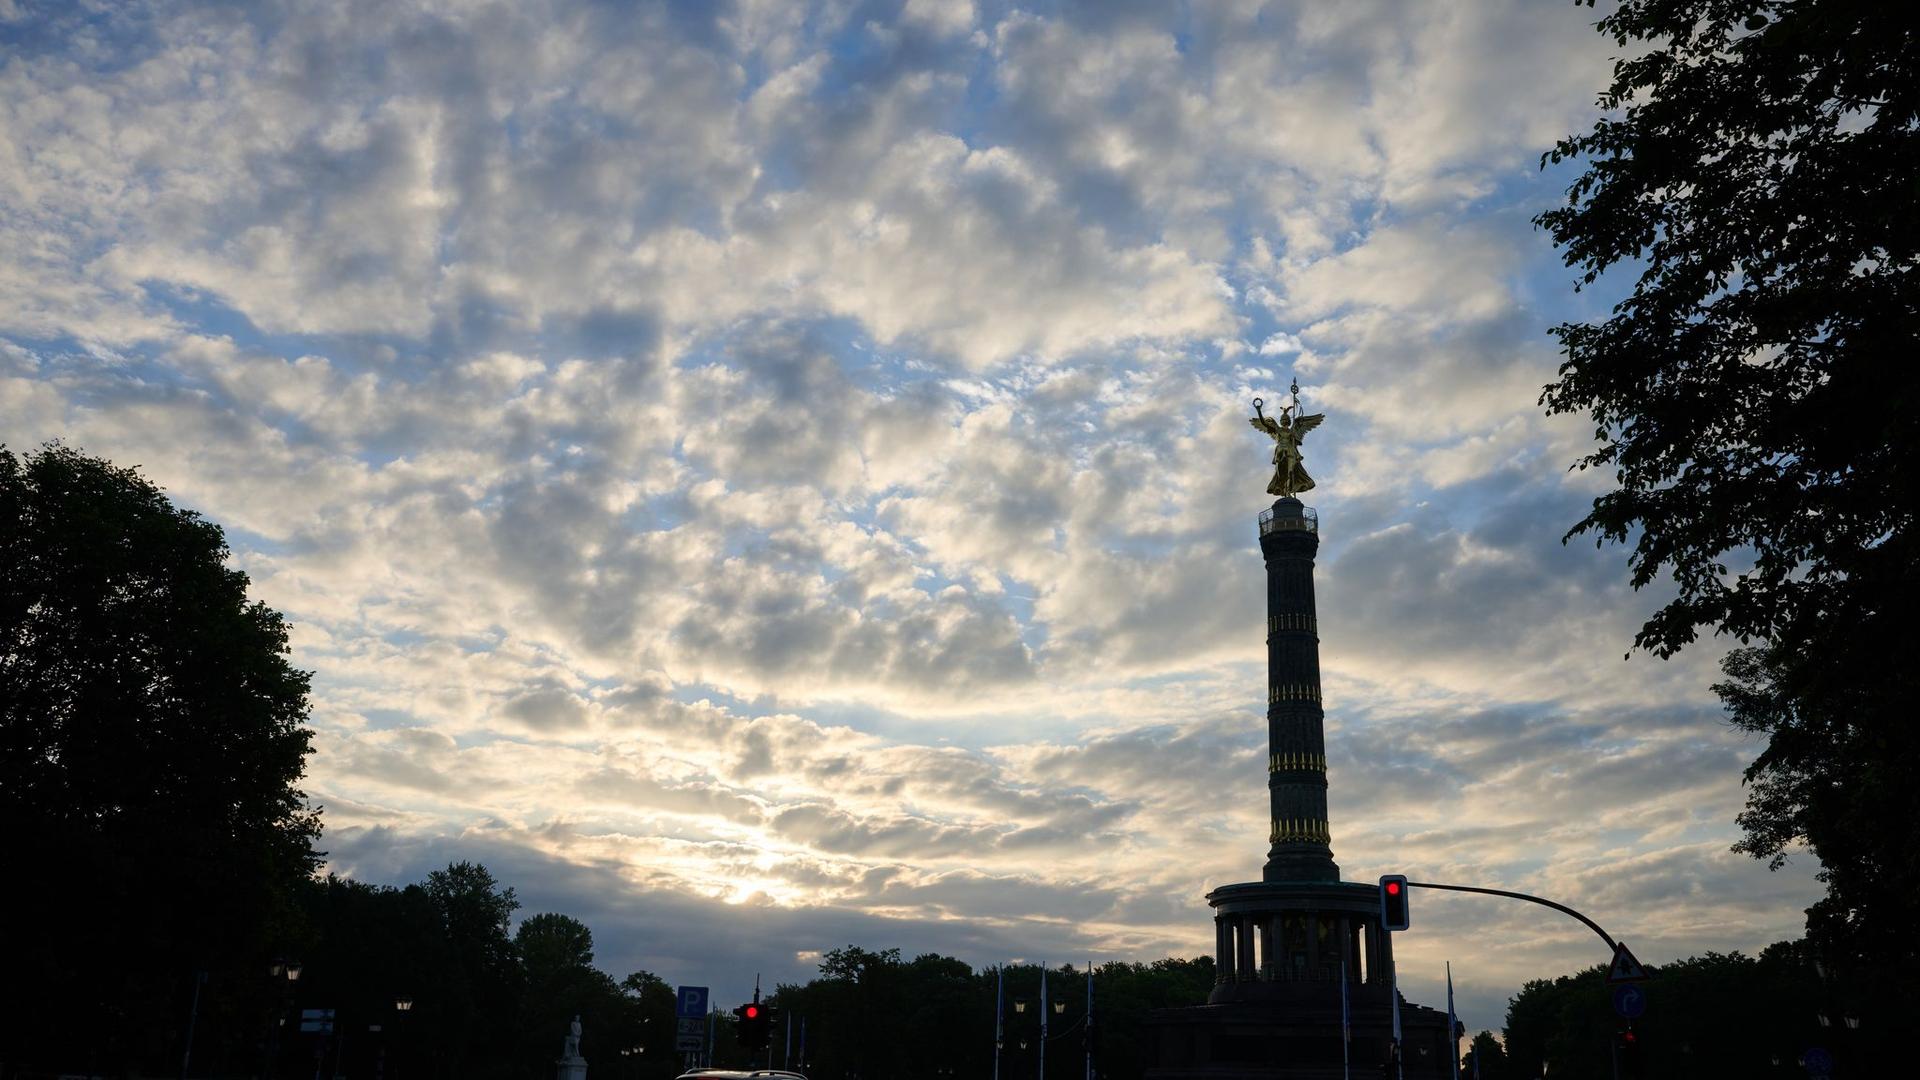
x,y
1755,397
1485,1059
556,956
483,1004
152,737
875,1015
1754,393
1837,775
1715,1015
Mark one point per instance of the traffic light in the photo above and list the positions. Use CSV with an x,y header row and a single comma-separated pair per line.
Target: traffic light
x,y
769,1019
1393,902
1626,1050
752,1025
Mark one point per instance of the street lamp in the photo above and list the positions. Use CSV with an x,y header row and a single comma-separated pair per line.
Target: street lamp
x,y
290,972
403,1006
1059,1006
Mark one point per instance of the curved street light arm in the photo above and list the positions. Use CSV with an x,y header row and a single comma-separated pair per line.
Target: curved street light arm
x,y
1591,925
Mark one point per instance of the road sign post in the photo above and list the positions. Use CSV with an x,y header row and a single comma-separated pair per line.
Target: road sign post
x,y
1624,968
690,1018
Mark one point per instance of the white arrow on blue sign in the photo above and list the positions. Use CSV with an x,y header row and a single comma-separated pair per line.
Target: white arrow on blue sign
x,y
1629,1000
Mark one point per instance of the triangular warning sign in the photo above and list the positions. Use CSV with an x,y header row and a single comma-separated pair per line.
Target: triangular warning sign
x,y
1624,967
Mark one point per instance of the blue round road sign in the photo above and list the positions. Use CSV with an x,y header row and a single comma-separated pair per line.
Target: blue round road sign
x,y
1629,1000
1819,1062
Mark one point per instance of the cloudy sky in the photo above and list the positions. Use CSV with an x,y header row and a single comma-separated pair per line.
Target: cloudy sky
x,y
765,477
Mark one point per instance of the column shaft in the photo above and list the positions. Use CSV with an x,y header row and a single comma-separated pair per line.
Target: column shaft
x,y
1246,973
1300,839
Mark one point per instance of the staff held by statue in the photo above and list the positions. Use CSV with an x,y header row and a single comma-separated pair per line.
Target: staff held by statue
x,y
1289,477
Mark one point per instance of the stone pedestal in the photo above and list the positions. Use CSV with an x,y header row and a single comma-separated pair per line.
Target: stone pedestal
x,y
1301,1040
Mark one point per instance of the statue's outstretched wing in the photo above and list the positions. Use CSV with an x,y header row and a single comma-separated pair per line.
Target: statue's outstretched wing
x,y
1266,424
1307,423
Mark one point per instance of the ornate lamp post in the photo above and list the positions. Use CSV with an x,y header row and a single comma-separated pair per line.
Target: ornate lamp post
x,y
284,974
402,1006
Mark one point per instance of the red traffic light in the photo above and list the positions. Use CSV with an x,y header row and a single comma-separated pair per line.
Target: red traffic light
x,y
1393,902
753,1012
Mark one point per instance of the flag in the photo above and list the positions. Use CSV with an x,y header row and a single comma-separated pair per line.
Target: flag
x,y
1399,1069
1452,1039
999,1016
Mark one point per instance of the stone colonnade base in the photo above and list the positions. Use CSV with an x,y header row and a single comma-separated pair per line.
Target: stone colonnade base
x,y
1273,1041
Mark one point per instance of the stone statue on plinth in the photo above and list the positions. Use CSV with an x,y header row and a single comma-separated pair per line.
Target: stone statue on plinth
x,y
572,1065
1289,478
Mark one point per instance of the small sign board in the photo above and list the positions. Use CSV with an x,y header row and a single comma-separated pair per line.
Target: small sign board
x,y
691,1025
1818,1061
317,1020
1624,967
1629,1001
689,1044
690,1001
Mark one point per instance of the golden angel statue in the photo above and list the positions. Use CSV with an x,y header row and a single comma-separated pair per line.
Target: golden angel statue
x,y
1289,478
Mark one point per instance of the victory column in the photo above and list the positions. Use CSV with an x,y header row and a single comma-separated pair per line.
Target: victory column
x,y
1304,978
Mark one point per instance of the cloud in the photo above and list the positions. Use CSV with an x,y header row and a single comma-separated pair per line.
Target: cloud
x,y
795,457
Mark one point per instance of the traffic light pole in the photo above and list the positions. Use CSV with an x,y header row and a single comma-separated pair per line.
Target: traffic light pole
x,y
1562,908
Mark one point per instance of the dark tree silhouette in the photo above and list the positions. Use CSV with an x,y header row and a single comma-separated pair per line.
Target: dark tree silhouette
x,y
1715,1015
1485,1059
556,957
1755,397
152,734
484,980
875,1015
652,1054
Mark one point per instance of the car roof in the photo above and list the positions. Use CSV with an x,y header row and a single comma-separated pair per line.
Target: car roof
x,y
741,1074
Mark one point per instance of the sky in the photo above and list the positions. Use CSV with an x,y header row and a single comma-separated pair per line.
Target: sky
x,y
764,477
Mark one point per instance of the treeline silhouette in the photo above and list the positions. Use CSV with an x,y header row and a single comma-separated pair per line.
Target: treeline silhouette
x,y
484,998
1712,1015
874,1015
434,980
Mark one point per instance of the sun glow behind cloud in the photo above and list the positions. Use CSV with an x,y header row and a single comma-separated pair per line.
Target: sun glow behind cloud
x,y
725,455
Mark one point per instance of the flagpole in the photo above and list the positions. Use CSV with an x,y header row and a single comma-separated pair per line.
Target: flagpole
x,y
1399,1060
1452,1039
1044,1010
1346,1028
999,1015
1089,1031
